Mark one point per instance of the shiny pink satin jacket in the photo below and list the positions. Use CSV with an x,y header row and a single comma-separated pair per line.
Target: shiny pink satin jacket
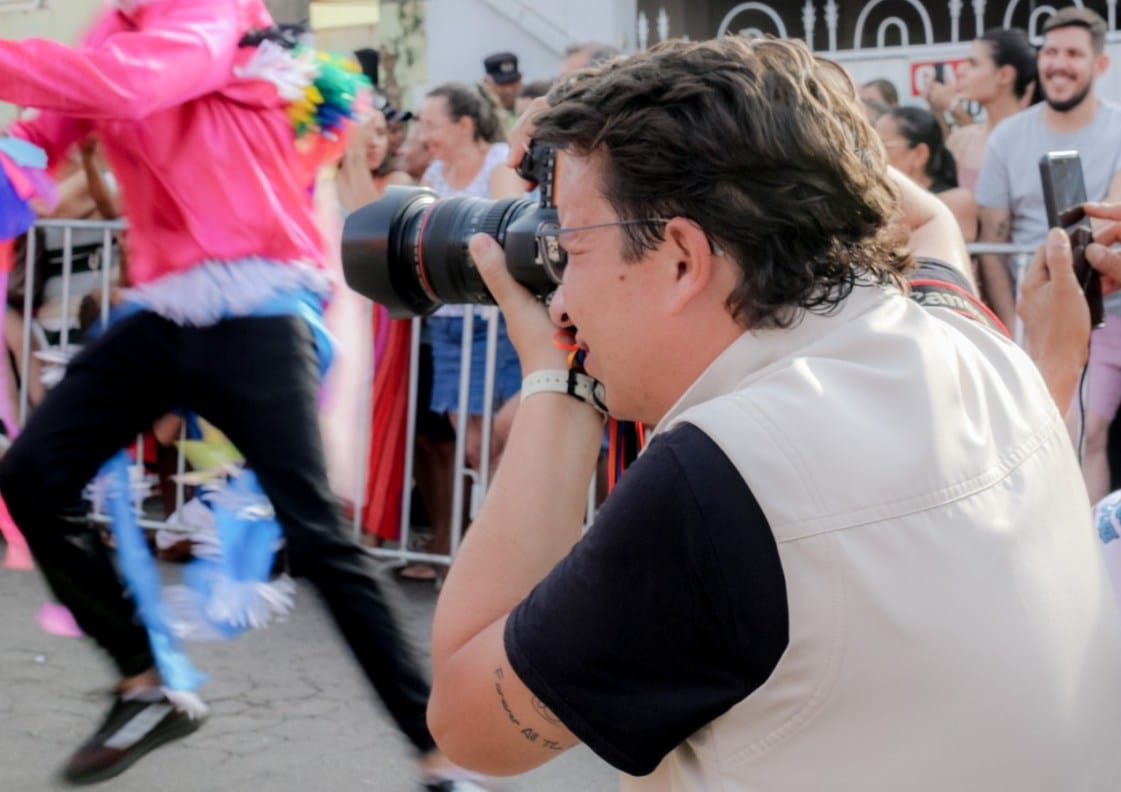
x,y
207,161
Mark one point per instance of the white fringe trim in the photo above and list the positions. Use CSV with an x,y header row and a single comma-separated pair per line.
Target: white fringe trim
x,y
187,702
241,605
290,72
215,290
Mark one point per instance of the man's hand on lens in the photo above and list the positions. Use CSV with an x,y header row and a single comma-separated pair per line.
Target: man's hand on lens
x,y
527,319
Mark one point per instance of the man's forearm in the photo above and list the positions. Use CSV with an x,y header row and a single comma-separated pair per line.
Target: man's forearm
x,y
531,518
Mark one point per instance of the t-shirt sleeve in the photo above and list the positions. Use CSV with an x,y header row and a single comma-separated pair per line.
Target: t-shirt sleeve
x,y
671,609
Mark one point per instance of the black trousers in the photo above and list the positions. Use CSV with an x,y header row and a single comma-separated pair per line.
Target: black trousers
x,y
254,378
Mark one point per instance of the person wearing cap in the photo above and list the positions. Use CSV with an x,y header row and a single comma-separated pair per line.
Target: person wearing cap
x,y
396,126
504,79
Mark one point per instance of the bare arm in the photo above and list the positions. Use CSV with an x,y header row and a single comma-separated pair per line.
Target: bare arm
x,y
960,202
997,285
354,183
105,200
934,232
506,183
480,713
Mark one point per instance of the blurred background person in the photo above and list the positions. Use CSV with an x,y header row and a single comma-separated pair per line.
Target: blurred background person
x,y
1072,117
505,82
1000,76
362,178
881,91
529,92
396,129
914,144
415,157
580,56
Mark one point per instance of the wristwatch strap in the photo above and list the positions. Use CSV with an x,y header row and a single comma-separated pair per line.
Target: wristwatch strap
x,y
580,386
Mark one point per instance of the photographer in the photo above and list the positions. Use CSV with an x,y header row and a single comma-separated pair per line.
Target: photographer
x,y
838,561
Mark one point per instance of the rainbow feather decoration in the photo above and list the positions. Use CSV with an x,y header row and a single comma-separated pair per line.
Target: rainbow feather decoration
x,y
323,90
338,92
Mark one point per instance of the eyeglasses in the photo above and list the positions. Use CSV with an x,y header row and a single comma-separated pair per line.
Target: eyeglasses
x,y
554,258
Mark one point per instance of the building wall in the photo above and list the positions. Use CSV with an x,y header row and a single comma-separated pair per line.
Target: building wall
x,y
463,32
62,21
893,39
288,11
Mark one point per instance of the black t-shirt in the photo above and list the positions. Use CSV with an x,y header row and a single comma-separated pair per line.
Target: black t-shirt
x,y
670,611
673,608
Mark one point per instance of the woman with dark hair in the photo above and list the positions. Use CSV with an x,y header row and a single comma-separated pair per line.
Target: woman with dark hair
x,y
913,139
1000,76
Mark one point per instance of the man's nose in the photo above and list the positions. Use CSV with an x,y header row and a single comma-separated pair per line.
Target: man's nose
x,y
557,311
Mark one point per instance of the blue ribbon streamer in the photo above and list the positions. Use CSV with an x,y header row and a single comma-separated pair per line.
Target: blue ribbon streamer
x,y
248,542
143,579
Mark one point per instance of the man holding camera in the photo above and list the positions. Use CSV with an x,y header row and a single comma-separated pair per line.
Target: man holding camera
x,y
853,553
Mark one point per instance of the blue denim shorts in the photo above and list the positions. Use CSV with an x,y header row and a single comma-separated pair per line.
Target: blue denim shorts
x,y
446,334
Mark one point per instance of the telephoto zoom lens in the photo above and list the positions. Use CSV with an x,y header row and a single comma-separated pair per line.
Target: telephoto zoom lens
x,y
408,251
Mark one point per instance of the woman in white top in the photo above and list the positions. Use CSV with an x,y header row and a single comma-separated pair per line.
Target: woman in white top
x,y
461,128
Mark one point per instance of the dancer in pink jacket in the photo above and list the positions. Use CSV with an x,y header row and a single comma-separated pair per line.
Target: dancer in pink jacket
x,y
193,102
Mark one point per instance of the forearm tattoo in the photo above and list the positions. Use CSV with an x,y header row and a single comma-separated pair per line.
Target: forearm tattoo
x,y
529,733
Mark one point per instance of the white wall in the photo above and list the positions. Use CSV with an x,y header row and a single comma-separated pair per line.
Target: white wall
x,y
463,32
62,21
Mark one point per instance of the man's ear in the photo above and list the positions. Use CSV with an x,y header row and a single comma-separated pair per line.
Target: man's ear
x,y
1101,65
693,261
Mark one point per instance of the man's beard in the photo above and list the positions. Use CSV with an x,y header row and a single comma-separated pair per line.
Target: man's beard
x,y
1066,105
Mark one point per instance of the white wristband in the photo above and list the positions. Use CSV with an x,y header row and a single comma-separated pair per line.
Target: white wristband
x,y
580,386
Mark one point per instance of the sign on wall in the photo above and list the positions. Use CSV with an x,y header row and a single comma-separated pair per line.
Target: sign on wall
x,y
944,71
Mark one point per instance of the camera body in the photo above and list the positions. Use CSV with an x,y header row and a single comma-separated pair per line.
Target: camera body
x,y
1064,193
408,251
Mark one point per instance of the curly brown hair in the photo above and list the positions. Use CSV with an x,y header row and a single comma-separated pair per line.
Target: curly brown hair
x,y
761,143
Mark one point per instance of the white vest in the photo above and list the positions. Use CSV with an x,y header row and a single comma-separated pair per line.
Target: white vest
x,y
951,625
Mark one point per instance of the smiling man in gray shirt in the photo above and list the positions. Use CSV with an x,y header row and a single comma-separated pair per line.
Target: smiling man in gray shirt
x,y
1010,195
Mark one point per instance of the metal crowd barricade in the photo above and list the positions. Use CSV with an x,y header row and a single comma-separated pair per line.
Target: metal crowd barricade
x,y
1019,257
58,354
480,479
464,502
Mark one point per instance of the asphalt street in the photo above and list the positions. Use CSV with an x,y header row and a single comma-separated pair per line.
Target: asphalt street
x,y
289,710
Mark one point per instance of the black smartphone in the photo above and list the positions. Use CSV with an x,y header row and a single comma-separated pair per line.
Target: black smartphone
x,y
940,72
1064,192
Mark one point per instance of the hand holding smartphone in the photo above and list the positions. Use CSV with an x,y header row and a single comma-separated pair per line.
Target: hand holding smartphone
x,y
1064,193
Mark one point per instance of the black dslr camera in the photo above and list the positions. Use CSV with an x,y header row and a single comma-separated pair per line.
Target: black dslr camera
x,y
408,251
